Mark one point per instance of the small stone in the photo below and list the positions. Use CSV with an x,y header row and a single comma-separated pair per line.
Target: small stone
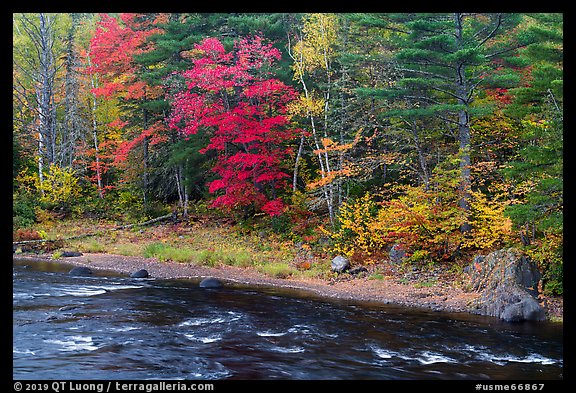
x,y
357,270
397,254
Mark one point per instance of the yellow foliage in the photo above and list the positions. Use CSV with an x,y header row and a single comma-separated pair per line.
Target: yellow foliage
x,y
317,47
355,231
307,106
60,186
27,182
490,228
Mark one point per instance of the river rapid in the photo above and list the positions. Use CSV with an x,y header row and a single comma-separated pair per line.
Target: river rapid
x,y
110,326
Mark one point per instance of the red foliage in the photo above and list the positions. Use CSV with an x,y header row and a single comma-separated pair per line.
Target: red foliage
x,y
23,234
231,96
112,49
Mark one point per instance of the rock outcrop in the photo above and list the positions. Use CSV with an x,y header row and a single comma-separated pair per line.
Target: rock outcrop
x,y
508,283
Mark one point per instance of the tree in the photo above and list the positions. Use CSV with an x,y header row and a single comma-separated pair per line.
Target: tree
x,y
536,174
444,59
113,49
313,54
36,57
232,95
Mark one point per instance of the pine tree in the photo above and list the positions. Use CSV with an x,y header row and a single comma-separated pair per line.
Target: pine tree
x,y
443,60
537,175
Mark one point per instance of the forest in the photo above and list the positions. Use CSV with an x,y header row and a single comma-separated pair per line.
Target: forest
x,y
438,134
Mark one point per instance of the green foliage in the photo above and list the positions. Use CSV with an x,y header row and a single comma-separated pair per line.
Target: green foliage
x,y
23,212
128,202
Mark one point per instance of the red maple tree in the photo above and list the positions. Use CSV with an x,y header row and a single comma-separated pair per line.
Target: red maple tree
x,y
232,96
113,48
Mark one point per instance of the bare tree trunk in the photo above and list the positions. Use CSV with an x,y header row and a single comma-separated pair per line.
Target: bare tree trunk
x,y
95,132
185,192
296,163
463,129
72,120
44,94
422,160
322,160
145,180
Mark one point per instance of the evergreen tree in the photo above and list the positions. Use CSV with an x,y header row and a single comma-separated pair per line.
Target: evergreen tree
x,y
443,59
537,174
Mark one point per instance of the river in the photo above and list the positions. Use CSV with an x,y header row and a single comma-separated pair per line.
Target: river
x,y
110,326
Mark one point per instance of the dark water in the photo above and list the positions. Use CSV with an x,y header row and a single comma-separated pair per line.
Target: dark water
x,y
114,327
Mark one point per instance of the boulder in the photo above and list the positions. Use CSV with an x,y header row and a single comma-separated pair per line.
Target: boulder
x,y
80,271
340,264
211,282
508,283
142,273
397,254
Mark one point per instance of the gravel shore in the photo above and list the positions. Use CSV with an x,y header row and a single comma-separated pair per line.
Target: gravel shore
x,y
439,297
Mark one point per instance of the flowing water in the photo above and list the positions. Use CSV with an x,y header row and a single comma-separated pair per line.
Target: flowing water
x,y
110,326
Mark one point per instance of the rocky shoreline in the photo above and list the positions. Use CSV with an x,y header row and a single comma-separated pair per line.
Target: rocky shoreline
x,y
439,297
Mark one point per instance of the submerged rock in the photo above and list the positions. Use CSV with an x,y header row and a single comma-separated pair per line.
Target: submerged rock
x,y
211,282
508,282
142,273
340,264
80,271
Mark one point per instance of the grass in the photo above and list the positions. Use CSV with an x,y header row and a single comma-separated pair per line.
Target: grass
x,y
426,284
93,246
164,252
128,249
277,269
206,243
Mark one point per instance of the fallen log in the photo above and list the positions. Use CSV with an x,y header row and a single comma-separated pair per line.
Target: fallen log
x,y
152,221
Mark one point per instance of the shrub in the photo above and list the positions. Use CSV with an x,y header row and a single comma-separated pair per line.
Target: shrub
x,y
24,234
60,187
548,254
490,228
23,212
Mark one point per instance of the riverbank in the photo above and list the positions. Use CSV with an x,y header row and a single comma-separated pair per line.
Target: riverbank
x,y
211,249
437,297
